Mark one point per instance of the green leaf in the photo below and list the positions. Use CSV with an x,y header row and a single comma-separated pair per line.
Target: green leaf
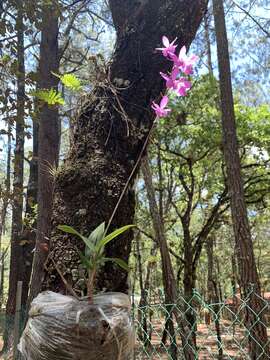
x,y
85,261
70,81
97,235
90,248
111,236
119,262
51,97
69,229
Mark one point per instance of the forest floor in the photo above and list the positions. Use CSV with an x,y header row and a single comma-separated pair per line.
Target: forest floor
x,y
234,343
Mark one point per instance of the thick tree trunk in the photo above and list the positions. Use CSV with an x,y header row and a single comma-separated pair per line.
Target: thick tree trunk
x,y
16,255
48,140
110,132
244,246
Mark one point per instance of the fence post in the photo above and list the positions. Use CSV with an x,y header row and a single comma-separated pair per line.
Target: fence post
x,y
17,319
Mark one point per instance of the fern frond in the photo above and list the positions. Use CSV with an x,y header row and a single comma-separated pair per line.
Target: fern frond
x,y
70,81
51,97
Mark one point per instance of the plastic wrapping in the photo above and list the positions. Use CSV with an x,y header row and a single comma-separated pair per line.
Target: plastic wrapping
x,y
61,328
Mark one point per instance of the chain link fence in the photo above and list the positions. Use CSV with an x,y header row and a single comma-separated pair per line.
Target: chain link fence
x,y
217,330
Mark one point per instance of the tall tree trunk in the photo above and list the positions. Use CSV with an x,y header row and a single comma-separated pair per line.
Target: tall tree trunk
x,y
110,132
208,44
258,347
16,255
169,281
48,142
189,278
29,232
5,203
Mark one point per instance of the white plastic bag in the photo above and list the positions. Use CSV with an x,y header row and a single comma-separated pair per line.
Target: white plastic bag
x,y
62,328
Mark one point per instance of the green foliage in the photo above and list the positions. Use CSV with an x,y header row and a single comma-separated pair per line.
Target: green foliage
x,y
70,81
51,97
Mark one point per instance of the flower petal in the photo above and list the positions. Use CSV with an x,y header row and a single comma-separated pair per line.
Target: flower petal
x,y
183,52
164,101
165,41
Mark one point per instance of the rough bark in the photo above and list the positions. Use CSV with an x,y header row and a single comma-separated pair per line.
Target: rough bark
x,y
109,133
244,247
48,139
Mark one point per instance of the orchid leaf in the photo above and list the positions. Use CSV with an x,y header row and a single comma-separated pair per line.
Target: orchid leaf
x,y
111,236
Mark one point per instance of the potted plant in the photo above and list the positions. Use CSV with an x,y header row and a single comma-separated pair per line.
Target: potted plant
x,y
90,328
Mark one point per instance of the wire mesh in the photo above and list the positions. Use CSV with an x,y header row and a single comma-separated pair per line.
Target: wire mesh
x,y
221,330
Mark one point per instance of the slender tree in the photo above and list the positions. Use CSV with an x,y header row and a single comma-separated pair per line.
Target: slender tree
x,y
16,258
249,280
212,292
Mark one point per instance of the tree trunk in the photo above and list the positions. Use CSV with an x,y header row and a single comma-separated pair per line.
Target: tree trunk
x,y
16,255
48,140
189,278
110,132
213,299
29,232
258,347
208,44
144,286
169,281
2,274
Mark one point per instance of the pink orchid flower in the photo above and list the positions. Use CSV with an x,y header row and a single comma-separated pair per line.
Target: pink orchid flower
x,y
183,62
171,82
183,86
169,48
161,110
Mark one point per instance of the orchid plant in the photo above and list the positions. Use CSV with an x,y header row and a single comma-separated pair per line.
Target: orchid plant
x,y
175,81
94,256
